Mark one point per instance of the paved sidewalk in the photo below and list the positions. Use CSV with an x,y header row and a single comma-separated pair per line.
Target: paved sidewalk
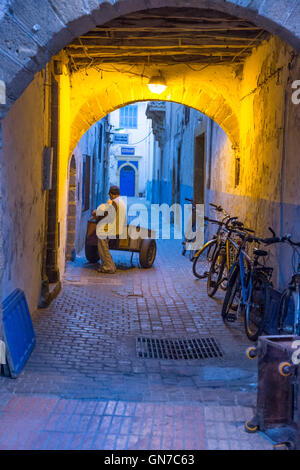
x,y
85,387
52,423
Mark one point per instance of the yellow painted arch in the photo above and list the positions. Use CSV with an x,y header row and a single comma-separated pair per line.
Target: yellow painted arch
x,y
213,91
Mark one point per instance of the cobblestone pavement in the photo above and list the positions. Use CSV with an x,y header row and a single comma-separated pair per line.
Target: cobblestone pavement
x,y
85,387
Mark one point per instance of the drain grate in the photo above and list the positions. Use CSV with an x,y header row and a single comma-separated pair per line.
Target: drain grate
x,y
177,349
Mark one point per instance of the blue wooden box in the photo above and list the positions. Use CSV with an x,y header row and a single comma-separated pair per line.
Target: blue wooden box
x,y
19,335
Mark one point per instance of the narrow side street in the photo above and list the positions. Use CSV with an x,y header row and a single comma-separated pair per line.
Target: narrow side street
x,y
186,115
85,386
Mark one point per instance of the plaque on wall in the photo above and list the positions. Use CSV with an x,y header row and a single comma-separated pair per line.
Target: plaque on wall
x,y
120,138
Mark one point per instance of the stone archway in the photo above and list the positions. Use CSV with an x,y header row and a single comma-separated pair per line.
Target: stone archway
x,y
31,36
95,94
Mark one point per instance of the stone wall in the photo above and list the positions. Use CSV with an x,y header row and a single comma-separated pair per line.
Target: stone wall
x,y
268,192
182,126
252,105
88,146
25,134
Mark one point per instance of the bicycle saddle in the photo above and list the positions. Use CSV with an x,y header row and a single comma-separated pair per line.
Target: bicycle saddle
x,y
258,252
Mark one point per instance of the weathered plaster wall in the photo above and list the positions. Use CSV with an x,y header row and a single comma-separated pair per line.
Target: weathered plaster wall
x,y
268,193
179,137
248,104
139,138
87,96
88,145
64,155
25,134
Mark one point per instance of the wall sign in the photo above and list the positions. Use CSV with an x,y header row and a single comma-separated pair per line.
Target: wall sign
x,y
120,139
127,150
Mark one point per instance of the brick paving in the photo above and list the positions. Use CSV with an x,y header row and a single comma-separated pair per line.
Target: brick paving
x,y
48,423
84,387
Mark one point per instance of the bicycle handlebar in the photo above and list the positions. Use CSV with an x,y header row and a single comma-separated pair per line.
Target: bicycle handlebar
x,y
290,241
219,209
215,206
246,237
275,239
286,238
272,240
248,230
252,239
240,225
213,221
230,220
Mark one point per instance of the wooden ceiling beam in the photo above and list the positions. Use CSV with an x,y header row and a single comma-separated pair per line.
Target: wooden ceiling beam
x,y
210,53
148,46
192,61
190,28
186,18
180,13
167,37
100,48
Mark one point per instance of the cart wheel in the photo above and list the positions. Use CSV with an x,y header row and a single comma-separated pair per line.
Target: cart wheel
x,y
284,369
91,253
147,253
250,428
251,352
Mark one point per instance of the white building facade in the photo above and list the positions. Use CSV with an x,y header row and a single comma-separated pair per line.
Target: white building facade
x,y
131,150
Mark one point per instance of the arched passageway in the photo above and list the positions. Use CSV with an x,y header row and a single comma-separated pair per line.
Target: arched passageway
x,y
46,30
64,67
247,92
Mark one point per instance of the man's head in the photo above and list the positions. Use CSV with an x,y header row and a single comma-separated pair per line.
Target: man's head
x,y
114,191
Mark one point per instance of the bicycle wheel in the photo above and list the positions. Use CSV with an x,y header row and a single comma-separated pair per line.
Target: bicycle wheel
x,y
192,254
255,312
224,283
202,260
286,313
215,275
231,253
231,297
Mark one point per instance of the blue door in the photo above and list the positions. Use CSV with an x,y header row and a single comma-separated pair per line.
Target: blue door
x,y
127,181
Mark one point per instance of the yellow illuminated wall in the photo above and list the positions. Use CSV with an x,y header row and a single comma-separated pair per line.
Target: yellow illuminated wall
x,y
64,156
247,103
89,95
95,93
252,106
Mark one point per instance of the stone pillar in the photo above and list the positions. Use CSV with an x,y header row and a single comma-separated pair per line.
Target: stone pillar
x,y
71,221
53,228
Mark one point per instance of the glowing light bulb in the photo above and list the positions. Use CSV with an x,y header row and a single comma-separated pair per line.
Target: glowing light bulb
x,y
157,85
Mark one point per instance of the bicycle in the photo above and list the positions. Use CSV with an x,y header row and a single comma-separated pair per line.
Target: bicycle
x,y
186,240
224,257
249,283
203,257
289,305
